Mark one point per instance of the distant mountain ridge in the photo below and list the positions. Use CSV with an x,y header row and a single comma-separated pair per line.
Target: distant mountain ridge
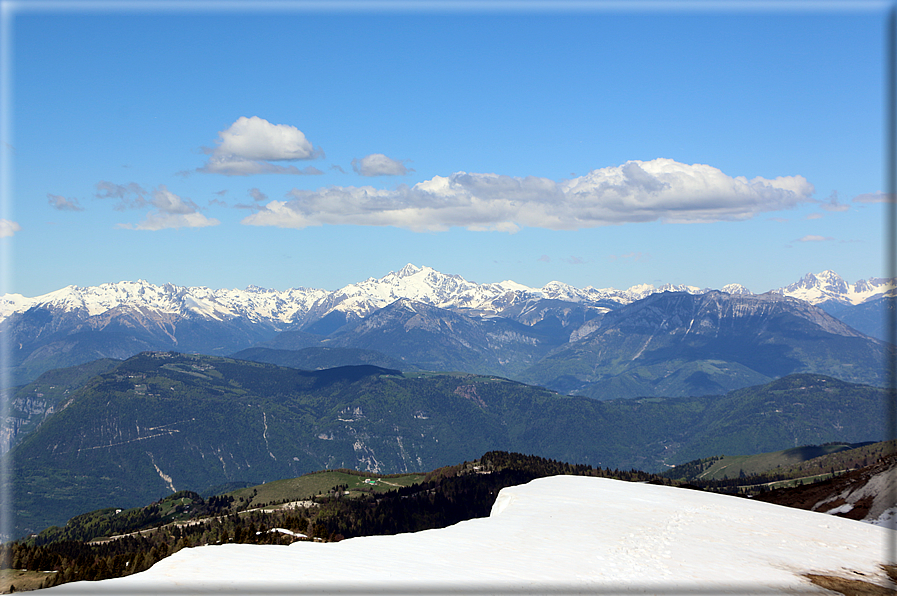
x,y
416,316
301,306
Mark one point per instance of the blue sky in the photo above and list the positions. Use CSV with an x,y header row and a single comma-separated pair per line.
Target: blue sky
x,y
304,146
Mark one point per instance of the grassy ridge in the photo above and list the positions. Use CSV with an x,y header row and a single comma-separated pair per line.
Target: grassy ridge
x,y
322,483
790,467
732,466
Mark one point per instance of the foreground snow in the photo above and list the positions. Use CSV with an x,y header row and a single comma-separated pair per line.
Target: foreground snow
x,y
565,533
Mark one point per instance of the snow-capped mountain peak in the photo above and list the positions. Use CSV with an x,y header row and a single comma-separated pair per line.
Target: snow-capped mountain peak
x,y
420,284
409,270
828,285
735,289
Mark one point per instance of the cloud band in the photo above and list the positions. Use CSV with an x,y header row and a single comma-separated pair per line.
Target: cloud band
x,y
637,191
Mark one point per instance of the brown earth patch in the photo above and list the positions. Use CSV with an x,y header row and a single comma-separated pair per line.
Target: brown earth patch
x,y
860,509
470,392
849,587
20,580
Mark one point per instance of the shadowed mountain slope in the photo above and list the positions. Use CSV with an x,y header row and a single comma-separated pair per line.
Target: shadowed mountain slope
x,y
676,343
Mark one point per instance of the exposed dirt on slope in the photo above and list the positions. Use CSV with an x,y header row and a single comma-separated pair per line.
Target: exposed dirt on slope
x,y
863,494
855,587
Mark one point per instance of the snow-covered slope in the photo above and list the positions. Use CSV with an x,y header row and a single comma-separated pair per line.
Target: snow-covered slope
x,y
420,284
253,303
828,285
562,533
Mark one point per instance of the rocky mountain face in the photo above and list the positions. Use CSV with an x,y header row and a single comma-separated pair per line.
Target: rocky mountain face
x,y
504,327
685,344
31,404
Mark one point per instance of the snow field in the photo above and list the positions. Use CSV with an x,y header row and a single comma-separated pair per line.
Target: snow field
x,y
558,533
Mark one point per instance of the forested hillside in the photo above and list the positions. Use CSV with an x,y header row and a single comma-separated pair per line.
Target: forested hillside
x,y
162,422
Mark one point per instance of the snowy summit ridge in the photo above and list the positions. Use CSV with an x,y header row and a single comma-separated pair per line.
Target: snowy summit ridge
x,y
419,284
828,285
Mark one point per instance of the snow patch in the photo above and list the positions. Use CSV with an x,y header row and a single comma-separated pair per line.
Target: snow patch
x,y
568,533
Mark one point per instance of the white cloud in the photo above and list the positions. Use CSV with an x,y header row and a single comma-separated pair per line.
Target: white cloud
x,y
249,144
637,191
229,166
874,197
257,195
257,139
815,238
8,228
172,211
378,164
162,221
61,203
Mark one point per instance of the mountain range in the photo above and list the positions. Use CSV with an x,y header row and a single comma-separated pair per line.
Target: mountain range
x,y
503,328
301,307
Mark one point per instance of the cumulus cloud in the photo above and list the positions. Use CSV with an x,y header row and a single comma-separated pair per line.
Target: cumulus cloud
x,y
8,228
61,203
171,211
637,191
814,238
378,164
874,197
249,145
